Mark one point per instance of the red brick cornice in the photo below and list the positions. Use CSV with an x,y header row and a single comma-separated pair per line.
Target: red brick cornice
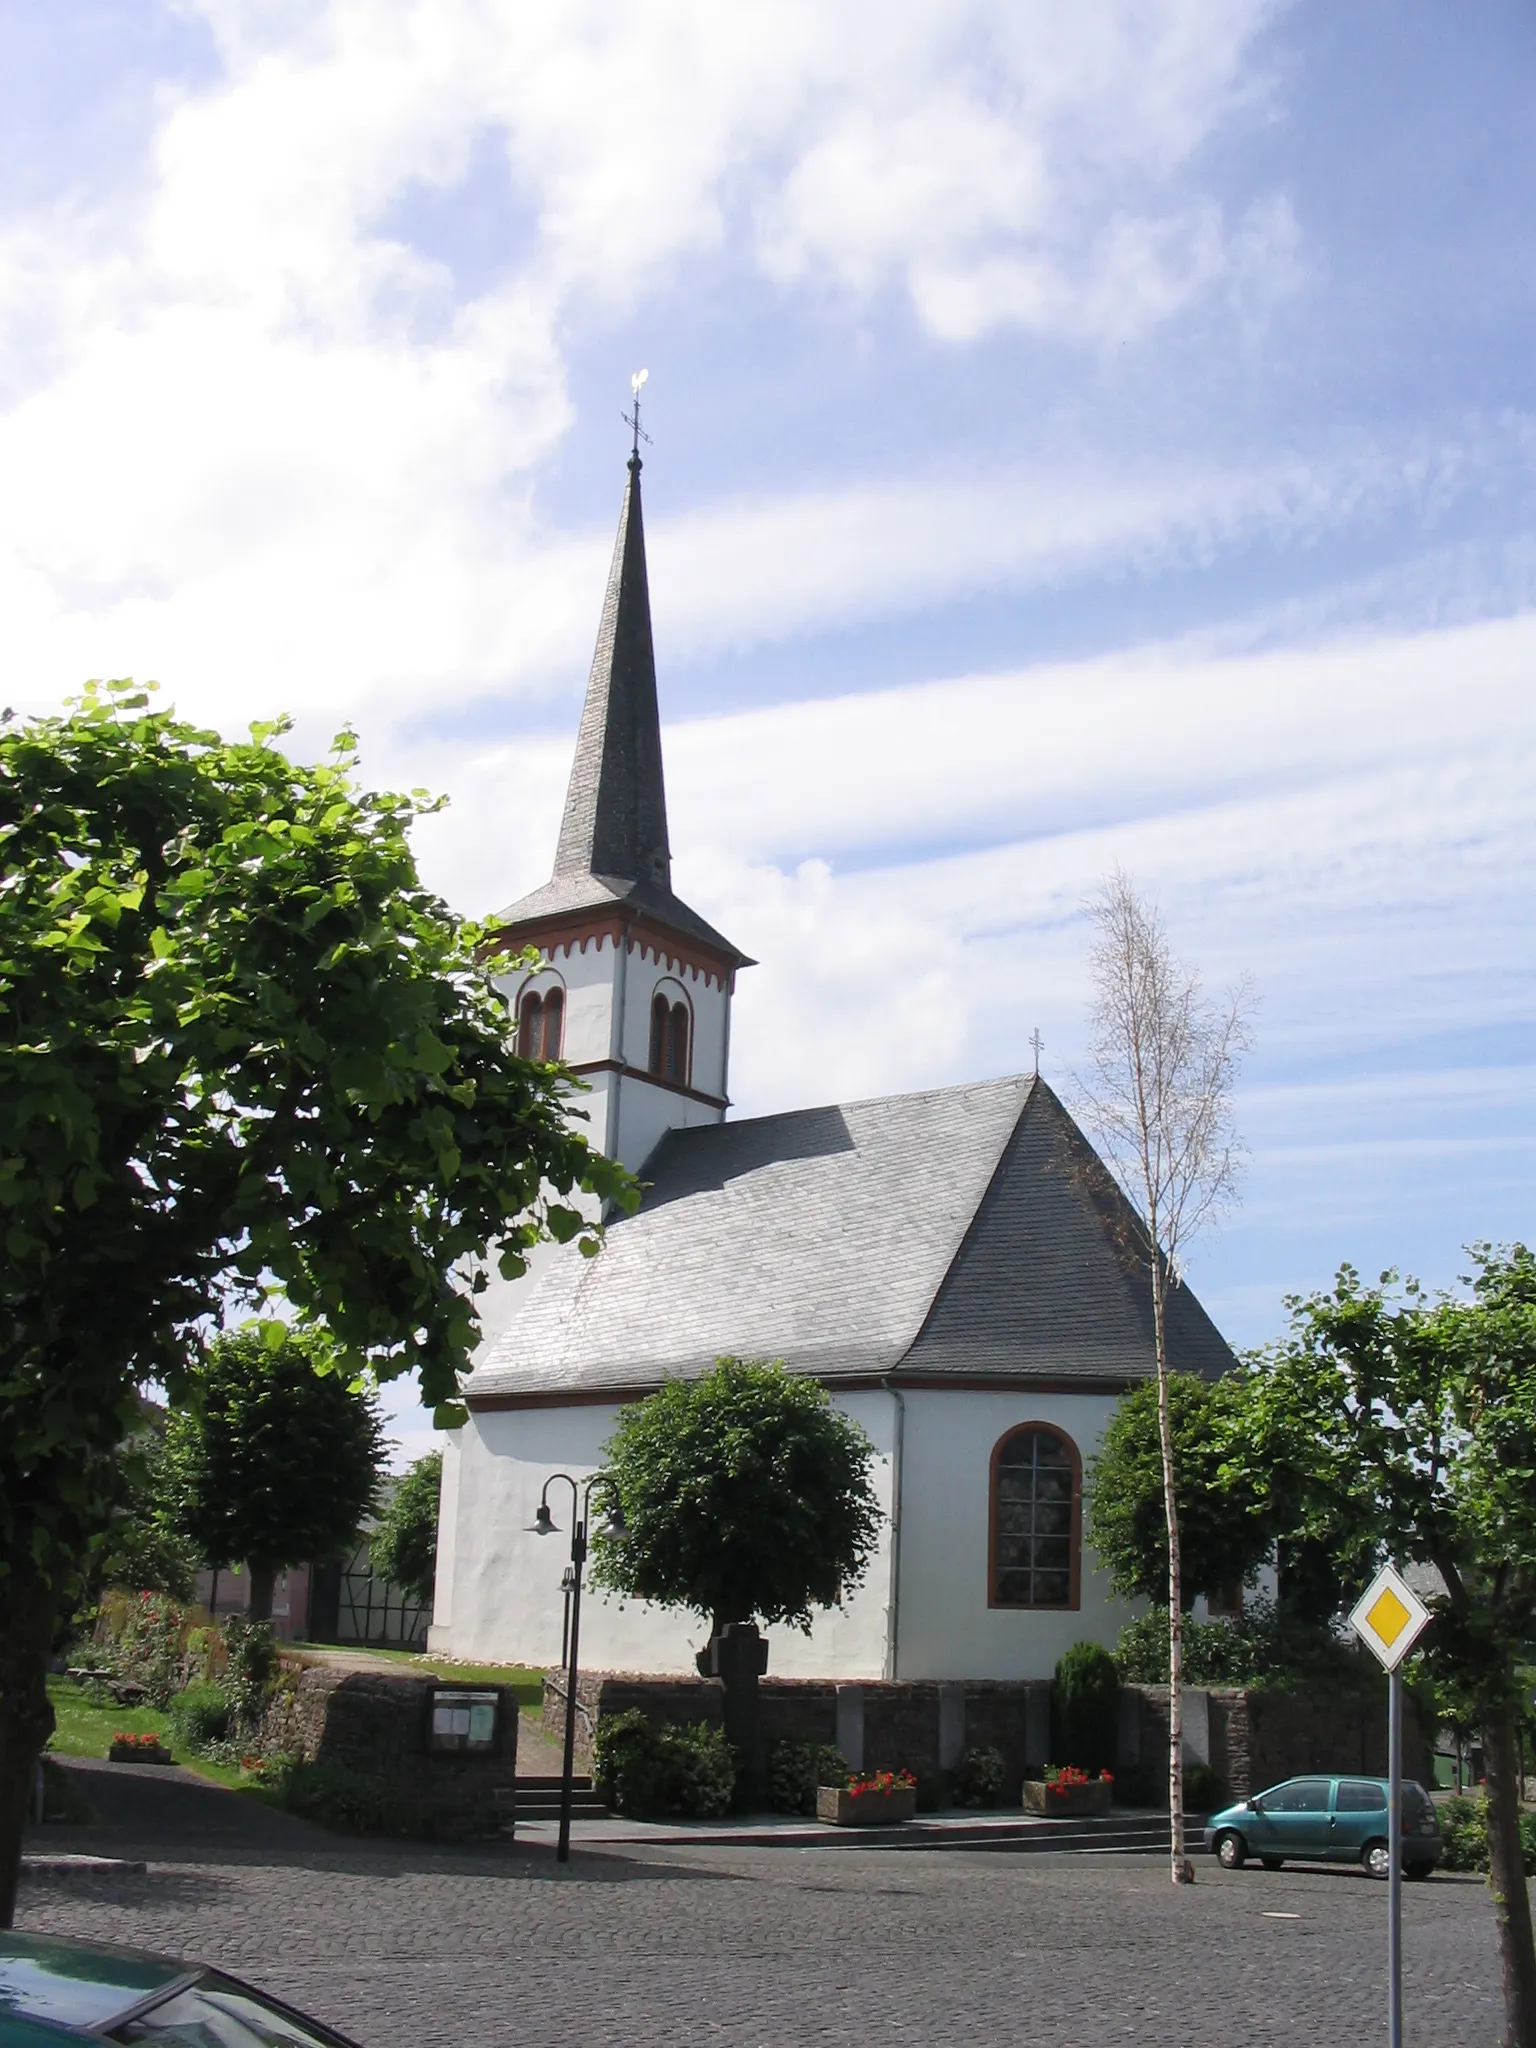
x,y
642,1074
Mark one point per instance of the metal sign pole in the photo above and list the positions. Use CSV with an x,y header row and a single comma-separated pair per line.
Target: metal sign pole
x,y
1395,1848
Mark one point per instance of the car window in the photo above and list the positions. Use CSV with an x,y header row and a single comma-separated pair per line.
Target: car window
x,y
1415,1799
1301,1795
1359,1795
218,2013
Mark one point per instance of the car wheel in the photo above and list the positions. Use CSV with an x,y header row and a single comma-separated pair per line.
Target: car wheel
x,y
1273,1862
1418,1871
1231,1850
1377,1858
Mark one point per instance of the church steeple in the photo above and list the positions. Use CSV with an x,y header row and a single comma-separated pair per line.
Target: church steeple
x,y
615,819
635,989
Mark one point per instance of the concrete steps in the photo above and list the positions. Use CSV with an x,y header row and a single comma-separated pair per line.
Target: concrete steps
x,y
538,1798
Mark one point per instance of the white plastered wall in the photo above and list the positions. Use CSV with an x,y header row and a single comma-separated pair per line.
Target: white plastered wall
x,y
498,1592
946,1628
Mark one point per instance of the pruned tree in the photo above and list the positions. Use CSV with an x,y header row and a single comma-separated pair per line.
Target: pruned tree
x,y
275,1459
1404,1427
403,1547
1164,1061
1225,1531
242,1047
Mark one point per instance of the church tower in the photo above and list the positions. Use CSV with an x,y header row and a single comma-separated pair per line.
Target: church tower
x,y
634,992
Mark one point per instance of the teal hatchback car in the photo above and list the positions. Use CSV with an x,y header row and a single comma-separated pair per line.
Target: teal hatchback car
x,y
1326,1820
54,1992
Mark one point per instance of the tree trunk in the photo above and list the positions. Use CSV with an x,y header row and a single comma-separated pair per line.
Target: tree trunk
x,y
263,1581
1506,1880
1181,1870
26,1717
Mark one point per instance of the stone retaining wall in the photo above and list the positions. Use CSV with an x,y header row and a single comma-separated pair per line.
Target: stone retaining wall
x,y
1249,1738
379,1726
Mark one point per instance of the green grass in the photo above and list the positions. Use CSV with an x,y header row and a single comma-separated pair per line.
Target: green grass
x,y
526,1683
84,1729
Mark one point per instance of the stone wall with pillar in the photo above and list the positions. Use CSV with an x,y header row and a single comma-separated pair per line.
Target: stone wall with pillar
x,y
1249,1738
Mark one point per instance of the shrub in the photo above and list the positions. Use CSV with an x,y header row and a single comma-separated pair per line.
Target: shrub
x,y
1464,1826
343,1800
795,1769
701,1770
644,1769
1264,1645
1204,1790
981,1777
201,1715
143,1636
1085,1706
250,1666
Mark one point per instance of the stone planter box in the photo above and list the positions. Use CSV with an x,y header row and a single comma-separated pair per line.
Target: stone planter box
x,y
843,1809
131,1753
1071,1802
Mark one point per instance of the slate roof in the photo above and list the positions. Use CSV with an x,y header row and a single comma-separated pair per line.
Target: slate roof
x,y
960,1234
613,846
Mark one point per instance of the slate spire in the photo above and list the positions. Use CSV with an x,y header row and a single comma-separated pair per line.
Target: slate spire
x,y
615,819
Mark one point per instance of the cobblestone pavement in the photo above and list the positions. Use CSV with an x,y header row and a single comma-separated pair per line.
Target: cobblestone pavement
x,y
411,1945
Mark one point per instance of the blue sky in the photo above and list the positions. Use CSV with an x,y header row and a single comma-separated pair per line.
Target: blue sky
x,y
1079,435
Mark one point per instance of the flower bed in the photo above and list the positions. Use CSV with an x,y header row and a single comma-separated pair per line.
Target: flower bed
x,y
873,1799
138,1749
1066,1793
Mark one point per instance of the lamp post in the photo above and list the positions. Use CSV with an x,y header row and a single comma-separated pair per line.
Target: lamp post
x,y
570,1585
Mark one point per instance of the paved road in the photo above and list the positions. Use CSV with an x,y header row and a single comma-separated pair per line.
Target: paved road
x,y
501,1949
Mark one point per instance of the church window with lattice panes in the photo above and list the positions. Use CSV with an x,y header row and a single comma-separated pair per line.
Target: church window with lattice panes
x,y
1036,1516
670,1032
540,1021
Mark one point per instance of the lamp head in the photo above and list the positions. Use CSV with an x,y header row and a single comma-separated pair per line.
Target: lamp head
x,y
614,1523
544,1521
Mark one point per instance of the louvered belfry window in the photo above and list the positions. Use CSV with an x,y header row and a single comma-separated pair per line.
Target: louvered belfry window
x,y
1035,1508
669,1040
539,1024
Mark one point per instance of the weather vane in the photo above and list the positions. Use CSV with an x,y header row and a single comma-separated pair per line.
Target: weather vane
x,y
1039,1047
632,419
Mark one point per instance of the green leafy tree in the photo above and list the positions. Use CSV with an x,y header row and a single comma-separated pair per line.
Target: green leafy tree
x,y
1225,1532
1405,1427
140,1549
746,1496
275,1460
242,1046
403,1548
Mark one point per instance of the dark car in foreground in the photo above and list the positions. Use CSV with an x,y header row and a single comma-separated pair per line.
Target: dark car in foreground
x,y
52,1992
1326,1820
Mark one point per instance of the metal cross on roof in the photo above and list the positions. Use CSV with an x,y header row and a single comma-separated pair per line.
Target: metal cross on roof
x,y
632,419
1038,1043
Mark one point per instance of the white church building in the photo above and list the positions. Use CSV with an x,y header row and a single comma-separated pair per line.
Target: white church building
x,y
956,1267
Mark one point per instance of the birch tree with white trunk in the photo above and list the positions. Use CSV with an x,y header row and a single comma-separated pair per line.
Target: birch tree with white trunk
x,y
1163,1062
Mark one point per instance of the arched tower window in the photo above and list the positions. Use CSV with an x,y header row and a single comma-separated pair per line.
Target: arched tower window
x,y
670,1031
1037,1499
540,1020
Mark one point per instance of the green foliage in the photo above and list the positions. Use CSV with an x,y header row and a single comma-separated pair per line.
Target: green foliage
x,y
645,1769
1464,1826
981,1777
245,1049
138,1549
202,1714
1225,1530
347,1802
1264,1646
276,1459
746,1495
250,1666
1204,1789
403,1547
1085,1702
144,1638
795,1769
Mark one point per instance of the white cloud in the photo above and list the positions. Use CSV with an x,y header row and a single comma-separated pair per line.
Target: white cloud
x,y
263,447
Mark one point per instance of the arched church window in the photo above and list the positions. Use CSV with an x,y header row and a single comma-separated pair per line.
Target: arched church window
x,y
539,1024
1037,1492
669,1038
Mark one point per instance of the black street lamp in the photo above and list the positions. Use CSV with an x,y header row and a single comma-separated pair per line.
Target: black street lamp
x,y
570,1586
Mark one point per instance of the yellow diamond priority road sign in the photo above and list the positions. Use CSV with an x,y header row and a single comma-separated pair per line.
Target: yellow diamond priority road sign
x,y
1390,1617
